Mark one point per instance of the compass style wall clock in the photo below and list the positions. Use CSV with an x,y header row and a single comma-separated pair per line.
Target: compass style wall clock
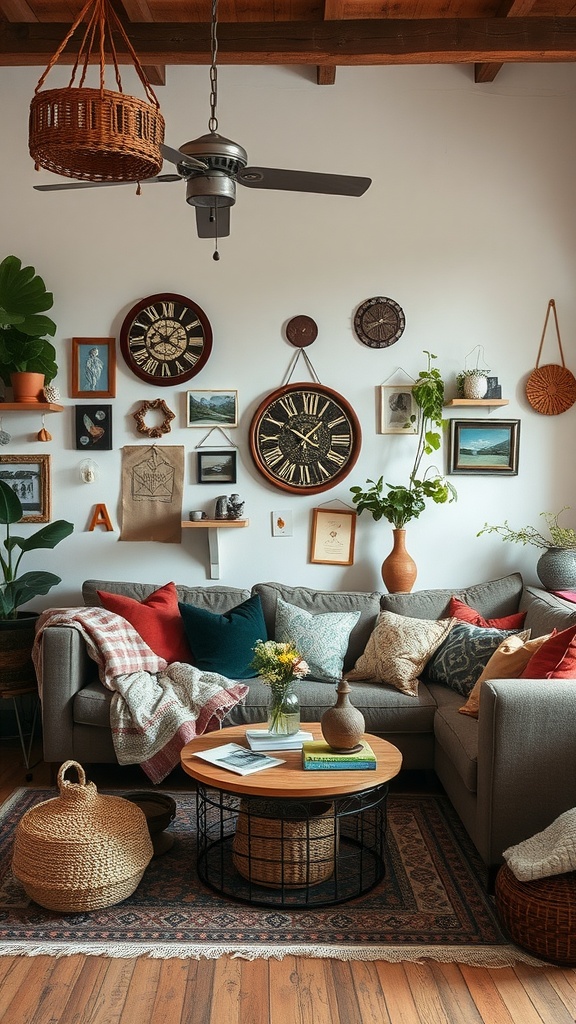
x,y
166,339
379,322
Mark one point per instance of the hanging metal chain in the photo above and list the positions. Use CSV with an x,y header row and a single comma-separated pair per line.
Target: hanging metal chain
x,y
213,120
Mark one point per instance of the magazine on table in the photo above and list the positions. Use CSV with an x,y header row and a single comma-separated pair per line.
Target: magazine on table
x,y
262,739
238,759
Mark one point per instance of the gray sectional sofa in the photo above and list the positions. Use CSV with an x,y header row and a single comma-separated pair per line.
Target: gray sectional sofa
x,y
509,773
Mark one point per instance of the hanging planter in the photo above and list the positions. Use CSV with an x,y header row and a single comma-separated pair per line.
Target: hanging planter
x,y
96,134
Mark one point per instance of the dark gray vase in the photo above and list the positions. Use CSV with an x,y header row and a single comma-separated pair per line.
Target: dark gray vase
x,y
556,569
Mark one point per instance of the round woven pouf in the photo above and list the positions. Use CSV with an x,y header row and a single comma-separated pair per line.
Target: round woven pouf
x,y
540,915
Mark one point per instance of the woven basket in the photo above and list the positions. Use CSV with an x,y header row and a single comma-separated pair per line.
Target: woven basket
x,y
282,851
540,916
551,389
81,851
16,640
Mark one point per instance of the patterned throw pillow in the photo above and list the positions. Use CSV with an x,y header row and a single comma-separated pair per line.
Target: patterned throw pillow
x,y
321,639
398,650
466,651
508,662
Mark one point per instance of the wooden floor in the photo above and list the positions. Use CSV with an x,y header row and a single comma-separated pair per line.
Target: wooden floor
x,y
295,990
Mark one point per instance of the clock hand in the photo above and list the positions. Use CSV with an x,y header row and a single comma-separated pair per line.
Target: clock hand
x,y
311,432
305,439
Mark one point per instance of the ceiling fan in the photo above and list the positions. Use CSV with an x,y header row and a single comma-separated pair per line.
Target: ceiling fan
x,y
212,166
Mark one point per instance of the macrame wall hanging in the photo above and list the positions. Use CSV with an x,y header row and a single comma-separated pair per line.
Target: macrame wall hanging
x,y
551,389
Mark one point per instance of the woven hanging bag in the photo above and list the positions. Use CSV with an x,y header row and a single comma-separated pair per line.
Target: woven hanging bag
x,y
551,389
81,851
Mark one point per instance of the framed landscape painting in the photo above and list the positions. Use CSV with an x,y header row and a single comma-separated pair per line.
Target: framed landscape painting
x,y
217,467
29,478
211,408
484,447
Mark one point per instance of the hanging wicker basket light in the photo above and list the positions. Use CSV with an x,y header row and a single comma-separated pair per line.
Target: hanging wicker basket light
x,y
96,134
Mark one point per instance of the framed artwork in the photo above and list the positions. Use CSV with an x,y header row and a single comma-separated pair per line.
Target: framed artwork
x,y
397,406
211,408
333,534
484,447
29,478
217,467
94,427
93,368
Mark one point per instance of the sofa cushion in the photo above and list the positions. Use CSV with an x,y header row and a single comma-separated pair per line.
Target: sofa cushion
x,y
545,612
464,653
456,734
494,598
91,705
465,613
320,601
156,618
321,638
398,650
225,643
214,599
555,658
508,662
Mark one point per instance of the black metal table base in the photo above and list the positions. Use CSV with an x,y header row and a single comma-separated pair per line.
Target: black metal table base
x,y
291,852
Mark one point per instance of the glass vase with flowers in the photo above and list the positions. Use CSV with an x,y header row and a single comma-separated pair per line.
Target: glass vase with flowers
x,y
280,665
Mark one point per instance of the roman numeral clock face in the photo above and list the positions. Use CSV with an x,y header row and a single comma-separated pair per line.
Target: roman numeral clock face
x,y
166,339
305,438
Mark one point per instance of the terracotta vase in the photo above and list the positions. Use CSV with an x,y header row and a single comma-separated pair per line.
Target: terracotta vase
x,y
27,387
343,725
399,569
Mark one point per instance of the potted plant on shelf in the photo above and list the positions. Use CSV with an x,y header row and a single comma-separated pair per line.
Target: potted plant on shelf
x,y
556,567
24,349
400,503
17,627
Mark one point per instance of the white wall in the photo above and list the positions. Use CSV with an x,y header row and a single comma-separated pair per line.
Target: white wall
x,y
470,225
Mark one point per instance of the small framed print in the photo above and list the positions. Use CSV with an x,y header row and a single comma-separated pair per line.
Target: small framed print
x,y
333,533
93,368
488,448
211,408
94,427
29,478
399,413
217,467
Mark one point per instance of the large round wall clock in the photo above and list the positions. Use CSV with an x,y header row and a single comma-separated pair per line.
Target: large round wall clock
x,y
379,322
305,438
166,339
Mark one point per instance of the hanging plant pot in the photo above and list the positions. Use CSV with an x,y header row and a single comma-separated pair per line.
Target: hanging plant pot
x,y
475,385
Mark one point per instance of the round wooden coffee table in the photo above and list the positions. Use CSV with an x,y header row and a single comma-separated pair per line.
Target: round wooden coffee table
x,y
286,836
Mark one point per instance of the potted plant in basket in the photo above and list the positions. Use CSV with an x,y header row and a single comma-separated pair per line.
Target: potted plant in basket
x,y
556,567
400,503
23,326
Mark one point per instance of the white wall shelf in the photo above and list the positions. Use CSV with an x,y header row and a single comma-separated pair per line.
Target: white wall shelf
x,y
214,526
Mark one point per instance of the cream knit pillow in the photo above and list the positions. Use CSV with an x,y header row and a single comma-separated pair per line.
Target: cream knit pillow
x,y
551,852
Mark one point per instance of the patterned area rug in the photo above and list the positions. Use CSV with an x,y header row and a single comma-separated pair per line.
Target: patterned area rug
x,y
431,904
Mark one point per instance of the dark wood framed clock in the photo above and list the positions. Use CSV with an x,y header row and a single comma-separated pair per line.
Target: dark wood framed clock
x,y
166,339
379,322
305,438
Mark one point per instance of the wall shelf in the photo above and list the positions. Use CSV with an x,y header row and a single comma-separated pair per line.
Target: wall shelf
x,y
30,407
476,401
213,526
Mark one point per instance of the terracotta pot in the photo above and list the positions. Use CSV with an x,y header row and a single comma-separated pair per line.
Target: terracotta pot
x,y
399,569
27,387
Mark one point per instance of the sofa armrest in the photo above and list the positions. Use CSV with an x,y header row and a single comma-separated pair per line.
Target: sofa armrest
x,y
526,759
66,668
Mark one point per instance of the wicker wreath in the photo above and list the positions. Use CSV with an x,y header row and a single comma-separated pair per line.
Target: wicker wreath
x,y
161,428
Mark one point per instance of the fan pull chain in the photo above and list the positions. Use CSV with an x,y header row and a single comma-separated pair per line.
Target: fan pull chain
x,y
213,120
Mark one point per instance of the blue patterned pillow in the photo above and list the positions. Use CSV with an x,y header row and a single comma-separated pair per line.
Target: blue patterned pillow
x,y
465,652
321,639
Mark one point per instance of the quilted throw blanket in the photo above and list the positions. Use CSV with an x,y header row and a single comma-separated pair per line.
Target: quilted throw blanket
x,y
156,708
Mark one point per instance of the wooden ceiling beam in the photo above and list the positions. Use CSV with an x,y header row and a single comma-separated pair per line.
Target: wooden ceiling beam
x,y
486,72
333,11
139,10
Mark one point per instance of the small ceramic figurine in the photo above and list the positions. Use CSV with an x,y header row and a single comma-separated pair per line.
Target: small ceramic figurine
x,y
235,507
221,511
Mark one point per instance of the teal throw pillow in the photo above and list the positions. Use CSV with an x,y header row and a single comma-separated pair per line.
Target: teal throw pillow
x,y
321,639
225,643
464,654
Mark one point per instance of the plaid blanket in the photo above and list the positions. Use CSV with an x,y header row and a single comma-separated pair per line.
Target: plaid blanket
x,y
156,708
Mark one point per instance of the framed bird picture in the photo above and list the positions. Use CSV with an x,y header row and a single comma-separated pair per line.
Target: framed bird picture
x,y
93,427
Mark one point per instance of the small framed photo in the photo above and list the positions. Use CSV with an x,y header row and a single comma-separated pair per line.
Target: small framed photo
x,y
333,534
94,427
211,408
217,467
93,368
488,448
29,478
399,413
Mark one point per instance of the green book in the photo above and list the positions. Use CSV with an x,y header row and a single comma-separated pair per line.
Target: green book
x,y
318,750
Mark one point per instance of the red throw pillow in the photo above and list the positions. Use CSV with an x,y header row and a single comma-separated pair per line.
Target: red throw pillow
x,y
556,659
157,619
458,610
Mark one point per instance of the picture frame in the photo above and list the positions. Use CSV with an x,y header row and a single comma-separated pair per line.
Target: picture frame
x,y
210,408
93,368
397,406
333,536
484,447
29,478
93,427
217,467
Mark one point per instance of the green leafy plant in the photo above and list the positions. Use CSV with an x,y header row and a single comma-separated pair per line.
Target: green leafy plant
x,y
16,591
399,503
23,301
560,536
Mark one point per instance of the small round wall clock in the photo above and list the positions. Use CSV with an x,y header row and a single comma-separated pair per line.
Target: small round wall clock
x,y
166,339
305,438
379,322
301,331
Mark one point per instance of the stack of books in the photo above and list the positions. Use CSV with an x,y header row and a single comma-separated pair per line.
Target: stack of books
x,y
261,739
318,756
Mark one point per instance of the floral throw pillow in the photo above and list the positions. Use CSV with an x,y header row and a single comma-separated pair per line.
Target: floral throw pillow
x,y
398,650
321,639
466,651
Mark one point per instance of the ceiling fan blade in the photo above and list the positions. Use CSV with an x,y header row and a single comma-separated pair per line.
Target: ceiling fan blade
x,y
175,156
104,184
213,222
303,181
